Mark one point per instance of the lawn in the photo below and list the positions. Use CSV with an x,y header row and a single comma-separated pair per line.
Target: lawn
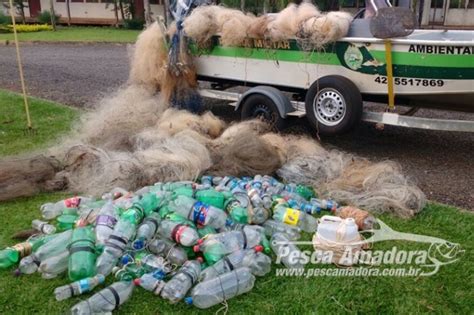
x,y
78,34
451,290
50,121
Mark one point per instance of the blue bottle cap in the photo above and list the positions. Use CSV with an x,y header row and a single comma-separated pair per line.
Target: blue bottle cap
x,y
188,300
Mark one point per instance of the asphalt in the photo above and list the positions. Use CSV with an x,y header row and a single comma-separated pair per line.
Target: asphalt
x,y
441,163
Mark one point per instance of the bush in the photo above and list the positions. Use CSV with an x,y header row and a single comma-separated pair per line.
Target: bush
x,y
26,28
45,17
4,19
134,24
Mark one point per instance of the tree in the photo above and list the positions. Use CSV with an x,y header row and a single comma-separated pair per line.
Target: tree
x,y
53,14
68,8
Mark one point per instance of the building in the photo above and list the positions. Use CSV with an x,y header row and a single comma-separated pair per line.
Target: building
x,y
430,13
87,11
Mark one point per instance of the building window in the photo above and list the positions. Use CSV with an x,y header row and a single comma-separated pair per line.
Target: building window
x,y
93,1
77,0
60,0
437,4
156,2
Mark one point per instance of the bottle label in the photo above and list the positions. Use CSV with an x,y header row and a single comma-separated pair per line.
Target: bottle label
x,y
84,286
291,216
24,249
106,220
200,213
73,202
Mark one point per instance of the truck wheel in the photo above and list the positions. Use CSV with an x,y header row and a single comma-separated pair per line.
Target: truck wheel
x,y
261,106
333,105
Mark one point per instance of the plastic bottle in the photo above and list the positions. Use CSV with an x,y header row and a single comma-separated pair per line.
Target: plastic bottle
x,y
216,246
115,246
52,210
12,255
335,229
128,272
292,232
180,233
221,288
105,222
170,251
175,289
56,245
206,230
198,212
87,217
286,251
151,262
258,263
78,287
295,217
147,230
54,266
324,204
211,197
367,223
106,300
150,283
43,227
115,193
82,254
66,221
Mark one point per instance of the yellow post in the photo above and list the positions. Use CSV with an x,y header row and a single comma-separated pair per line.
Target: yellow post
x,y
20,68
388,60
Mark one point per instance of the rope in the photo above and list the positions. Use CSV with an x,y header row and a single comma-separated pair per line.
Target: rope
x,y
20,68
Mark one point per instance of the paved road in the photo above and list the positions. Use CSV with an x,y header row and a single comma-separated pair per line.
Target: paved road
x,y
440,162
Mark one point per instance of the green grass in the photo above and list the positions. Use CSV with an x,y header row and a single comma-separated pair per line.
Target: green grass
x,y
50,121
451,290
78,34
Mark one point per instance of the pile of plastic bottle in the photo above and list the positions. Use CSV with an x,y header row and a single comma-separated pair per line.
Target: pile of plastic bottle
x,y
203,243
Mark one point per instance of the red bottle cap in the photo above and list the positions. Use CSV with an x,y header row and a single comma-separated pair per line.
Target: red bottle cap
x,y
258,248
136,281
200,259
200,241
196,248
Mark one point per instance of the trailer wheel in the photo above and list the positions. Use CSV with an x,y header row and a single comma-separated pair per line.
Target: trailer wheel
x,y
261,106
333,105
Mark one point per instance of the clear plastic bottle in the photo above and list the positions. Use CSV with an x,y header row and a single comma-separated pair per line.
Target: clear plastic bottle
x,y
271,227
106,300
52,210
105,222
147,230
150,283
115,193
115,246
288,253
57,245
43,227
179,285
170,251
295,217
180,233
198,212
258,263
78,287
221,288
216,246
54,266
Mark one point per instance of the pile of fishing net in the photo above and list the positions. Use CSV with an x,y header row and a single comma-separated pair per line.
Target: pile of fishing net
x,y
133,139
303,22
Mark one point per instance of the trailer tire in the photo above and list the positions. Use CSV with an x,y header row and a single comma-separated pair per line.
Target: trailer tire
x,y
333,105
261,106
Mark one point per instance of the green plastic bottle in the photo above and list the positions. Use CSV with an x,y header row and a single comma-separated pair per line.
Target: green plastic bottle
x,y
183,191
149,203
12,255
82,254
211,197
164,211
205,230
66,222
305,191
266,244
236,212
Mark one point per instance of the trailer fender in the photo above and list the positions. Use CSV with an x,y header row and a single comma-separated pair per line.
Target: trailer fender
x,y
281,101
